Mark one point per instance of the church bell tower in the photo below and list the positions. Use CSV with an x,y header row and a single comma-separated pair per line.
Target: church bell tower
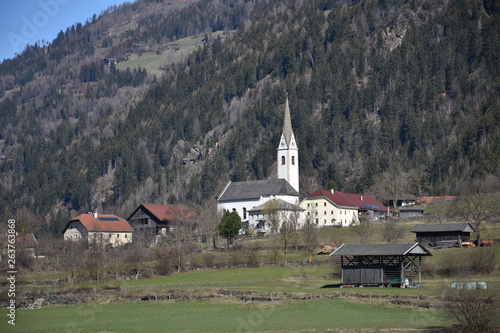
x,y
288,153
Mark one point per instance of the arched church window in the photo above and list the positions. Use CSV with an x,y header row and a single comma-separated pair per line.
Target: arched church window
x,y
293,160
282,160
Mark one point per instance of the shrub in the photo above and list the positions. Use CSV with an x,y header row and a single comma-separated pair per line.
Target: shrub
x,y
471,310
483,260
252,255
428,268
454,263
235,259
209,260
165,260
468,261
25,259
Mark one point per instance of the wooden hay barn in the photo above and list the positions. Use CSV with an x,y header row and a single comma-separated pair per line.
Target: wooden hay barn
x,y
381,264
438,232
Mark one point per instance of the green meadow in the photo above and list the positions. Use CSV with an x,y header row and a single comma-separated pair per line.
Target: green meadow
x,y
230,314
219,316
114,308
172,53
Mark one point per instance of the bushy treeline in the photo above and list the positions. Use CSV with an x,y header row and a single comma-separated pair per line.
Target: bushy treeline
x,y
371,84
81,261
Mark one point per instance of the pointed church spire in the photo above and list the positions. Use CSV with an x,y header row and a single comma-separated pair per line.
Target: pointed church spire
x,y
287,125
288,153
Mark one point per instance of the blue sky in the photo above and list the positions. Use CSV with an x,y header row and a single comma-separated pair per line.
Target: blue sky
x,y
25,22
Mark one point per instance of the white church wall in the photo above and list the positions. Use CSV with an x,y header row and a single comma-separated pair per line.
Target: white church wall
x,y
243,206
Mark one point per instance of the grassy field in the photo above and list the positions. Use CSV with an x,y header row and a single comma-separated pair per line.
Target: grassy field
x,y
347,313
172,53
218,316
226,314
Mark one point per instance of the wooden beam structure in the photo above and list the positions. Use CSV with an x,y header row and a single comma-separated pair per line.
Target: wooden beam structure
x,y
381,264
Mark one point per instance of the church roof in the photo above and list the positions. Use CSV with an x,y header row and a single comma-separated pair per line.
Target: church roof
x,y
287,125
255,189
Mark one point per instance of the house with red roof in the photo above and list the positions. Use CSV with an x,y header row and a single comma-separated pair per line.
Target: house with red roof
x,y
340,209
104,229
156,220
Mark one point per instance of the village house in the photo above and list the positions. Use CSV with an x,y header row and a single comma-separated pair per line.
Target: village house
x,y
339,209
110,61
156,221
103,229
258,218
242,197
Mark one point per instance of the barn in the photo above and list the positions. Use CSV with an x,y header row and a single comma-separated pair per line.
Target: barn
x,y
389,264
433,233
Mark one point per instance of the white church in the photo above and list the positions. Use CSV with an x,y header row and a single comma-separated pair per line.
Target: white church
x,y
249,197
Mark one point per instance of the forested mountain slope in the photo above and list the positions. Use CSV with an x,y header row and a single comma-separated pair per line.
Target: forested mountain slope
x,y
409,86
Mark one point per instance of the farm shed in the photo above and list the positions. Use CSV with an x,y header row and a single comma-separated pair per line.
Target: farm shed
x,y
380,264
410,211
437,232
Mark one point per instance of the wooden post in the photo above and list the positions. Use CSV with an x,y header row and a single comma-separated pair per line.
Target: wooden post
x,y
420,270
401,274
342,270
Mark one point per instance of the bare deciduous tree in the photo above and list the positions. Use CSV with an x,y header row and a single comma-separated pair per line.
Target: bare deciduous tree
x,y
165,258
284,219
363,230
392,231
184,228
395,183
116,262
287,231
136,256
309,185
272,214
71,259
26,222
471,310
476,203
210,227
95,261
310,235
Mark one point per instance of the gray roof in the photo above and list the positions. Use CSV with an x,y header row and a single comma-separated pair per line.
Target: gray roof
x,y
385,249
443,227
411,209
256,188
282,205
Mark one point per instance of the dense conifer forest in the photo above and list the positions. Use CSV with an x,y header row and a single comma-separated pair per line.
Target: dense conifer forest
x,y
405,87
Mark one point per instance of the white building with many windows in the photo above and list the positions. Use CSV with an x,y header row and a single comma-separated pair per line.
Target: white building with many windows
x,y
340,209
